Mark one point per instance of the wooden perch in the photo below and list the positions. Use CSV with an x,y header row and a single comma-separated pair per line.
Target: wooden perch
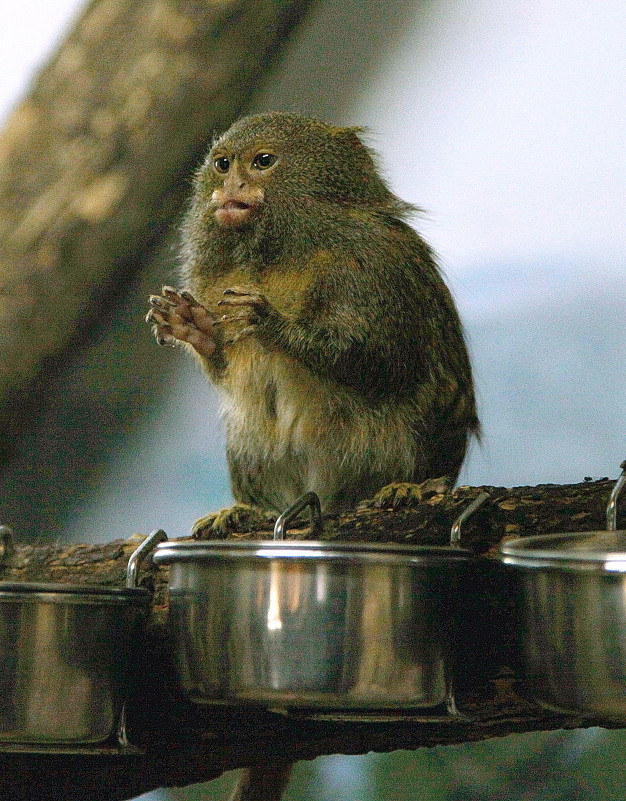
x,y
96,161
185,744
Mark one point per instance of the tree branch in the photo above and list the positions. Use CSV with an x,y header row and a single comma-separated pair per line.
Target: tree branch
x,y
185,743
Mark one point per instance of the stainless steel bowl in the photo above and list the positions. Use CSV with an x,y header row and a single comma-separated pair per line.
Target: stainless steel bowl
x,y
309,624
574,617
65,657
64,652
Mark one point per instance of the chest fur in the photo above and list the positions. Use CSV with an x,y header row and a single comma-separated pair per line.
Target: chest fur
x,y
271,404
285,288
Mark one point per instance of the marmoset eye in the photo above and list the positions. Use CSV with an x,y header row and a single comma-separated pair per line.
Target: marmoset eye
x,y
221,164
263,161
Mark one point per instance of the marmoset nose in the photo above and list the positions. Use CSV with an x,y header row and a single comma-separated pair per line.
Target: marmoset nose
x,y
235,180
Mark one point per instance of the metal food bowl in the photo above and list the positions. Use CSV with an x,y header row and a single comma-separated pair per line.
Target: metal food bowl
x,y
574,616
316,625
65,657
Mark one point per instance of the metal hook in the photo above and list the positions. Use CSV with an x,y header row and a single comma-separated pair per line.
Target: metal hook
x,y
309,499
7,544
611,509
455,533
138,555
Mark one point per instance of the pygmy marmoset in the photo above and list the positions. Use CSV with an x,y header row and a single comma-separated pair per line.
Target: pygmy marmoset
x,y
322,319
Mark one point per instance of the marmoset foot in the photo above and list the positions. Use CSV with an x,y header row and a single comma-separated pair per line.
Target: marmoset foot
x,y
406,494
240,519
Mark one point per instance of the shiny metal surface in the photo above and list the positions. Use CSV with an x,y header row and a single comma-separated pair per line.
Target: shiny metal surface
x,y
595,551
309,500
611,509
313,624
64,659
455,533
141,553
6,543
575,640
197,551
574,616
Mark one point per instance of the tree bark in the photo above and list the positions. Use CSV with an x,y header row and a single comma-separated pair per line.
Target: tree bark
x,y
185,744
96,161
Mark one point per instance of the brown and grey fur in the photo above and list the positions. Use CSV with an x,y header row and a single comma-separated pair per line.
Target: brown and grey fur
x,y
340,363
352,370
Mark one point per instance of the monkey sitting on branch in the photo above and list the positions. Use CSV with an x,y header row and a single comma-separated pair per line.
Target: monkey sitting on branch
x,y
323,321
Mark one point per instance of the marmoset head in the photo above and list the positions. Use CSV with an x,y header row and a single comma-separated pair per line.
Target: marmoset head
x,y
281,159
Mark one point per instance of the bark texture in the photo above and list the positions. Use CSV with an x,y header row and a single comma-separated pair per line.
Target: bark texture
x,y
185,744
96,161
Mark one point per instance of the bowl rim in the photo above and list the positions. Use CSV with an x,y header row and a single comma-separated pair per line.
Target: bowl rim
x,y
50,591
323,550
574,549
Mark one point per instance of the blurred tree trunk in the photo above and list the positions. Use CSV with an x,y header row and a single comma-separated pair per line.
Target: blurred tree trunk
x,y
95,162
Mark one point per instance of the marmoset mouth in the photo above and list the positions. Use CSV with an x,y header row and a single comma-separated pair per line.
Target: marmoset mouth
x,y
235,204
234,213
